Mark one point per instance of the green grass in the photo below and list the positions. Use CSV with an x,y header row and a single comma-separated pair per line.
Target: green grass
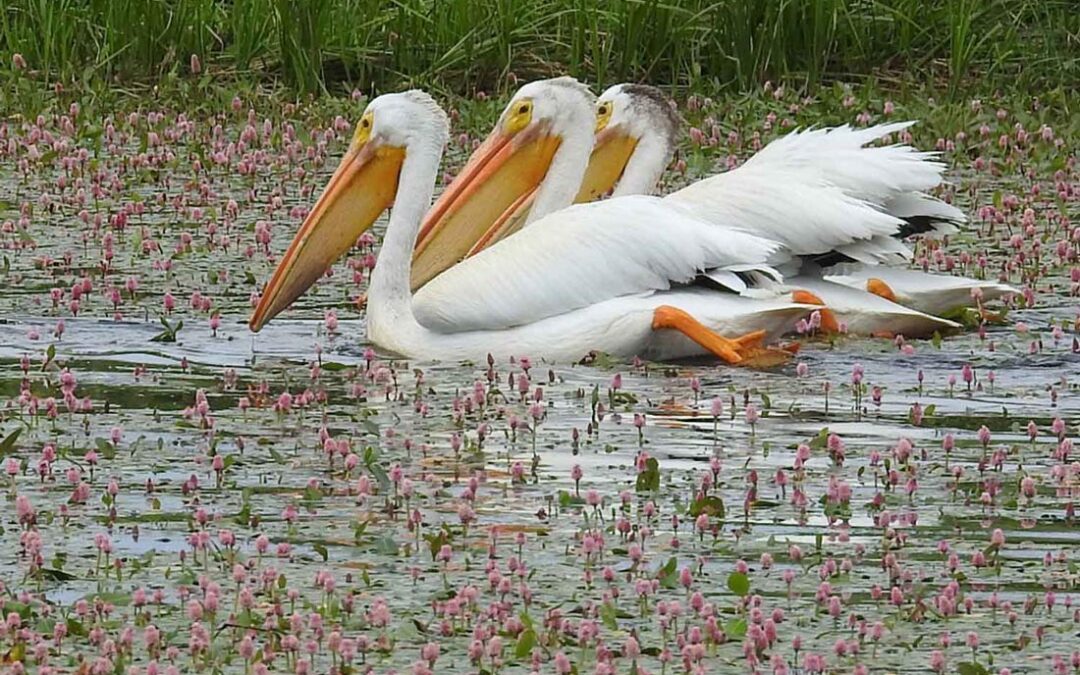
x,y
316,45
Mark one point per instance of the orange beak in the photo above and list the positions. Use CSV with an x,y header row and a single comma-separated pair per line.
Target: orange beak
x,y
498,180
611,153
362,187
609,158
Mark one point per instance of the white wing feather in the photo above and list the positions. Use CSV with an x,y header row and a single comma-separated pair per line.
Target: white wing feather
x,y
877,251
945,217
728,280
806,214
927,292
839,156
821,190
580,256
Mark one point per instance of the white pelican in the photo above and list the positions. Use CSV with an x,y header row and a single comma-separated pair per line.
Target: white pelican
x,y
636,140
592,277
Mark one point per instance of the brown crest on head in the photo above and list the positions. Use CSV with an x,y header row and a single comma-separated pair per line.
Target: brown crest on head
x,y
653,103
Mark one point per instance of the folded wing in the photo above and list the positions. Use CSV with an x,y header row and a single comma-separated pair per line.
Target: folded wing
x,y
583,255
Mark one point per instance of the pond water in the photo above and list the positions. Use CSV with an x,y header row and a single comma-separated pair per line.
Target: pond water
x,y
200,498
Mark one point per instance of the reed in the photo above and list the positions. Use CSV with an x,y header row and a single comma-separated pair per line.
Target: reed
x,y
463,46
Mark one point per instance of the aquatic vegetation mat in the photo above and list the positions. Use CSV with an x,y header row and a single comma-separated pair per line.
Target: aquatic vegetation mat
x,y
184,497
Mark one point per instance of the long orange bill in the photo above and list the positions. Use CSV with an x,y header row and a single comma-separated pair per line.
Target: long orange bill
x,y
501,173
609,158
362,187
508,222
612,151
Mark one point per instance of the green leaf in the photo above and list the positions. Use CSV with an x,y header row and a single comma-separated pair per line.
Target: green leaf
x,y
649,479
386,546
668,574
16,653
57,575
8,444
608,616
971,668
735,629
106,449
525,643
169,334
359,529
75,628
526,620
380,477
20,608
435,542
566,500
118,599
624,398
739,584
321,550
711,506
311,496
371,461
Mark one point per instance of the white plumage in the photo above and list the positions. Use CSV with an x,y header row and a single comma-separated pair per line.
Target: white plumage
x,y
867,314
821,190
582,255
806,215
930,293
573,286
814,192
620,326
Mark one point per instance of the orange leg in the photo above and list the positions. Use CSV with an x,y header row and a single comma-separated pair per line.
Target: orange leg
x,y
673,318
880,288
745,350
829,323
750,340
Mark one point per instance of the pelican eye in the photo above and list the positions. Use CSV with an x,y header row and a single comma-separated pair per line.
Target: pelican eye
x,y
603,115
363,129
520,116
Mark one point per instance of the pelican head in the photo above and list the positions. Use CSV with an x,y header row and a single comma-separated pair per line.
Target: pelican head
x,y
393,128
533,156
636,132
